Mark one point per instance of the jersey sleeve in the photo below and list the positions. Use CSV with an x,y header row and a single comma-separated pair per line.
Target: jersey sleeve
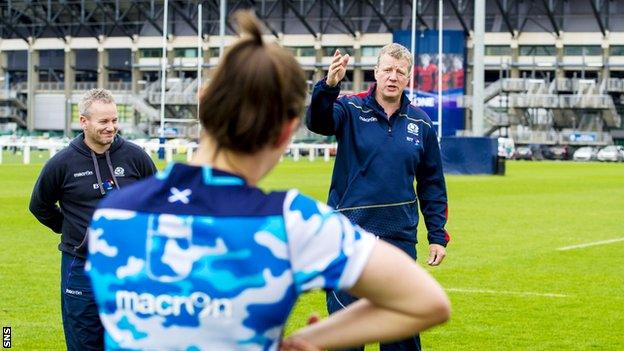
x,y
326,250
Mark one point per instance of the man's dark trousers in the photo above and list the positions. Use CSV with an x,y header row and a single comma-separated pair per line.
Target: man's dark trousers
x,y
81,323
337,300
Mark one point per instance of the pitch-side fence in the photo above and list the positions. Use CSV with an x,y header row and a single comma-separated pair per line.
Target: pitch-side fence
x,y
296,150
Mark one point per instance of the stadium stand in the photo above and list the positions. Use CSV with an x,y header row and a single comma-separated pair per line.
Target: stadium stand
x,y
554,69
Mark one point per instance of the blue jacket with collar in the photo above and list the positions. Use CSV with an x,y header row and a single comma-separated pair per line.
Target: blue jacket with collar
x,y
71,180
378,160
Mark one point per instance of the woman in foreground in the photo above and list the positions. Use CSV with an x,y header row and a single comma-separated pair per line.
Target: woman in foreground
x,y
198,257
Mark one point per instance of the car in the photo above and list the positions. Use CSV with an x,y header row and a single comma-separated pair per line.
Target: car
x,y
539,151
523,153
612,153
557,152
585,153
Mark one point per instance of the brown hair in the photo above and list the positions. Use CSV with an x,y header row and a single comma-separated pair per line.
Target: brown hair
x,y
256,88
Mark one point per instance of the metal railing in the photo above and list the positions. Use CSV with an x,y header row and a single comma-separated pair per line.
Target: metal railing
x,y
296,150
563,138
585,101
144,108
584,86
50,86
119,86
514,84
8,94
85,85
615,85
553,101
496,118
22,86
173,98
534,101
492,90
534,137
6,111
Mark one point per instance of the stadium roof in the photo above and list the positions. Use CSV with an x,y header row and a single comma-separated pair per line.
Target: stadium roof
x,y
96,18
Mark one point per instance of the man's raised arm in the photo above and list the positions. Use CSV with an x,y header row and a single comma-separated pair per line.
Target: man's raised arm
x,y
323,115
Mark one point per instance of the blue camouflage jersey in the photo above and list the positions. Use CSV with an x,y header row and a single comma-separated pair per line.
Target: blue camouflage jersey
x,y
195,259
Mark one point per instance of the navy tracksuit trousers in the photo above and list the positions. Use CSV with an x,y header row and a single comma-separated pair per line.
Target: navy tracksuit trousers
x,y
81,322
337,300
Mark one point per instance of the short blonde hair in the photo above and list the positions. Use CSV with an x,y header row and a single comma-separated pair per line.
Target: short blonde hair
x,y
398,52
91,96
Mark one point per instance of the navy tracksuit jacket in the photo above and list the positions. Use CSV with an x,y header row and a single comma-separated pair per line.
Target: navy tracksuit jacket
x,y
77,179
378,160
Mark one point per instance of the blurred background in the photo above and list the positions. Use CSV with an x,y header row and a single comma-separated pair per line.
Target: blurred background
x,y
543,76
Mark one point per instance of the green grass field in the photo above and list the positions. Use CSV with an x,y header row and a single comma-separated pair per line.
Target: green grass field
x,y
510,287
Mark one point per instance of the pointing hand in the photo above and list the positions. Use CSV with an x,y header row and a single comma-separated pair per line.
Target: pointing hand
x,y
337,69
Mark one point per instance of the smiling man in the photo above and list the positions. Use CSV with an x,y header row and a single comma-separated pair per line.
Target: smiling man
x,y
384,144
95,163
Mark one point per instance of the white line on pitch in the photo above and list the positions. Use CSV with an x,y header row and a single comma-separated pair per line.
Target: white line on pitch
x,y
504,292
581,246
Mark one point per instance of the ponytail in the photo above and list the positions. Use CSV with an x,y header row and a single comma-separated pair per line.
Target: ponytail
x,y
256,88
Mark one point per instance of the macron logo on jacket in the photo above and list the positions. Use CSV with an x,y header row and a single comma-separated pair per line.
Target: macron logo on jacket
x,y
368,119
83,174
